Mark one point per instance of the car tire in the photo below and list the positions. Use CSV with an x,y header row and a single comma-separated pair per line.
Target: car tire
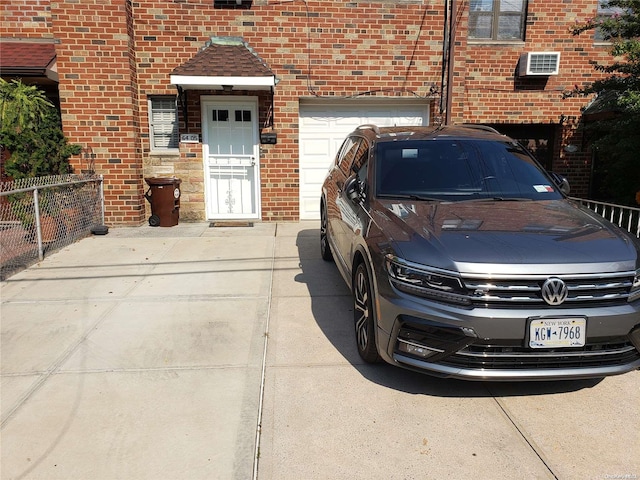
x,y
363,316
325,248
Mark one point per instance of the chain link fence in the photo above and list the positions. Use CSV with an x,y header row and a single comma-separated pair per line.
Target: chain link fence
x,y
43,214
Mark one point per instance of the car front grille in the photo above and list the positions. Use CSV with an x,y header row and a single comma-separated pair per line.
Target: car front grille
x,y
515,358
526,291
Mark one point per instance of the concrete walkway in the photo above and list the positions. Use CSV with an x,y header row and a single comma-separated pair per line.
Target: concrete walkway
x,y
193,352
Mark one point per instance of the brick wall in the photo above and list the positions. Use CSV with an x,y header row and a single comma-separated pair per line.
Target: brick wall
x,y
318,49
26,19
488,89
114,54
98,97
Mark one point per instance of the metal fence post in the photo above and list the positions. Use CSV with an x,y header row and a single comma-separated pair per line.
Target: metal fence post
x,y
101,191
36,211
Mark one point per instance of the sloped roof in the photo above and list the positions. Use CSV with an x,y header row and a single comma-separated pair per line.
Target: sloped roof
x,y
605,105
224,61
28,59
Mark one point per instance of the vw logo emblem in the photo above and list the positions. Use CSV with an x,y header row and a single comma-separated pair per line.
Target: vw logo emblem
x,y
554,291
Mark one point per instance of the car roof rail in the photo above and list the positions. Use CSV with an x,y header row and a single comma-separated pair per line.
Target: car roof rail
x,y
478,126
370,126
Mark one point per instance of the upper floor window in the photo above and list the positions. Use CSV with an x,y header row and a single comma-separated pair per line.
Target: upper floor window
x,y
163,123
497,19
605,11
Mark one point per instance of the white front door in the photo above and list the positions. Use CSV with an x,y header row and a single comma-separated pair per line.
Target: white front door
x,y
230,153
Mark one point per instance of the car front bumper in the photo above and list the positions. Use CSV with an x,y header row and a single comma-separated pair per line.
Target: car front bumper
x,y
491,344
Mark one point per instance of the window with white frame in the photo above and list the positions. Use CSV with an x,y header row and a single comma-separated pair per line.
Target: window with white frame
x,y
497,20
605,11
163,123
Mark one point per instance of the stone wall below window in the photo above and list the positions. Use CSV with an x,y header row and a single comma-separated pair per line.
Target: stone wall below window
x,y
188,167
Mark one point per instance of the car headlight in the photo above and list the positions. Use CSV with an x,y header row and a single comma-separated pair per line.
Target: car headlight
x,y
634,294
426,282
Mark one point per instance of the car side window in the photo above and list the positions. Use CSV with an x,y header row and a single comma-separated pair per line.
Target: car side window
x,y
347,154
360,162
360,156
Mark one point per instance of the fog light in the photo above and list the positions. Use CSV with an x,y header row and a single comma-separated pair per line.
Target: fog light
x,y
417,350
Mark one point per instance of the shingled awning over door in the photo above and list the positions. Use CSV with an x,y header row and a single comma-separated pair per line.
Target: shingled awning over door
x,y
28,60
224,62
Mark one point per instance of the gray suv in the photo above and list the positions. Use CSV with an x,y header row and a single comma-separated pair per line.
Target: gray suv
x,y
466,259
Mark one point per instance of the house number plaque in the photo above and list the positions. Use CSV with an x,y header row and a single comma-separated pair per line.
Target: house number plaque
x,y
189,137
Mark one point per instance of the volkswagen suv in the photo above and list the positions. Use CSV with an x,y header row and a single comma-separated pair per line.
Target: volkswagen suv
x,y
466,259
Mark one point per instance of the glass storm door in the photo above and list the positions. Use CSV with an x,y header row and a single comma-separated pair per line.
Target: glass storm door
x,y
230,143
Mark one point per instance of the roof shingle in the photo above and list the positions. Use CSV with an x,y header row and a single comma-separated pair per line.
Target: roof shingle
x,y
230,58
26,56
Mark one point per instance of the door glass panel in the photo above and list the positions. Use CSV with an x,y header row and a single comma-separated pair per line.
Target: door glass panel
x,y
232,190
232,136
243,115
220,115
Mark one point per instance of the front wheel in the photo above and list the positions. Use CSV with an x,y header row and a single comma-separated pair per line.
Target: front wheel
x,y
363,316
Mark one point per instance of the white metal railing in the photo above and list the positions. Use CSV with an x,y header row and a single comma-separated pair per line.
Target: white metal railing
x,y
623,216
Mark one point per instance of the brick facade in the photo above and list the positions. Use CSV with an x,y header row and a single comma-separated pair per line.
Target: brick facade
x,y
113,54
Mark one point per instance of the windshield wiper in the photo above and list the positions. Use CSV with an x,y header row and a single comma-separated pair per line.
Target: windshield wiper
x,y
498,199
409,196
511,199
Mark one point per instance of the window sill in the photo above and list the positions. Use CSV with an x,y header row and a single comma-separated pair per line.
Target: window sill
x,y
476,42
174,152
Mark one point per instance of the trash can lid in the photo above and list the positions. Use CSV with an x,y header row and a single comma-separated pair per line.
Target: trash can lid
x,y
163,181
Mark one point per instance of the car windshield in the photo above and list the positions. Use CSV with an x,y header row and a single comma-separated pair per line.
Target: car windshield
x,y
460,170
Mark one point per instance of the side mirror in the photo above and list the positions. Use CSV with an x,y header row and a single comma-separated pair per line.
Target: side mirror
x,y
353,189
561,182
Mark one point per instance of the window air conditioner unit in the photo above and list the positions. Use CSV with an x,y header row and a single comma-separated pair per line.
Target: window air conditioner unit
x,y
539,63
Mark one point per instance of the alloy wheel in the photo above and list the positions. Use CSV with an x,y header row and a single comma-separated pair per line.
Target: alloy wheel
x,y
363,316
325,249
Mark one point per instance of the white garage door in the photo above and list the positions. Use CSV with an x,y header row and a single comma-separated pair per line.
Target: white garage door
x,y
323,127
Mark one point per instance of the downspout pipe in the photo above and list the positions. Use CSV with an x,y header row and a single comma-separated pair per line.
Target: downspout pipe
x,y
445,59
450,63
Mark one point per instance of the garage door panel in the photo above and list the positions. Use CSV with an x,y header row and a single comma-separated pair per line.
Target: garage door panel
x,y
346,121
314,154
313,176
311,205
314,121
323,128
316,147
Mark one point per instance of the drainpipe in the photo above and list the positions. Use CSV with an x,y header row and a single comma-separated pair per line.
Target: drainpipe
x,y
182,100
445,59
452,41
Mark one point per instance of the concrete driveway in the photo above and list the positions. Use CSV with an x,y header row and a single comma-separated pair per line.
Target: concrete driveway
x,y
193,352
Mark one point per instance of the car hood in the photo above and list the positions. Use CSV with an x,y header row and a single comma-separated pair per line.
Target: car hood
x,y
457,235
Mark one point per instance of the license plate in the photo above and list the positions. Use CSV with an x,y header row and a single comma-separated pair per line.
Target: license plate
x,y
557,332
